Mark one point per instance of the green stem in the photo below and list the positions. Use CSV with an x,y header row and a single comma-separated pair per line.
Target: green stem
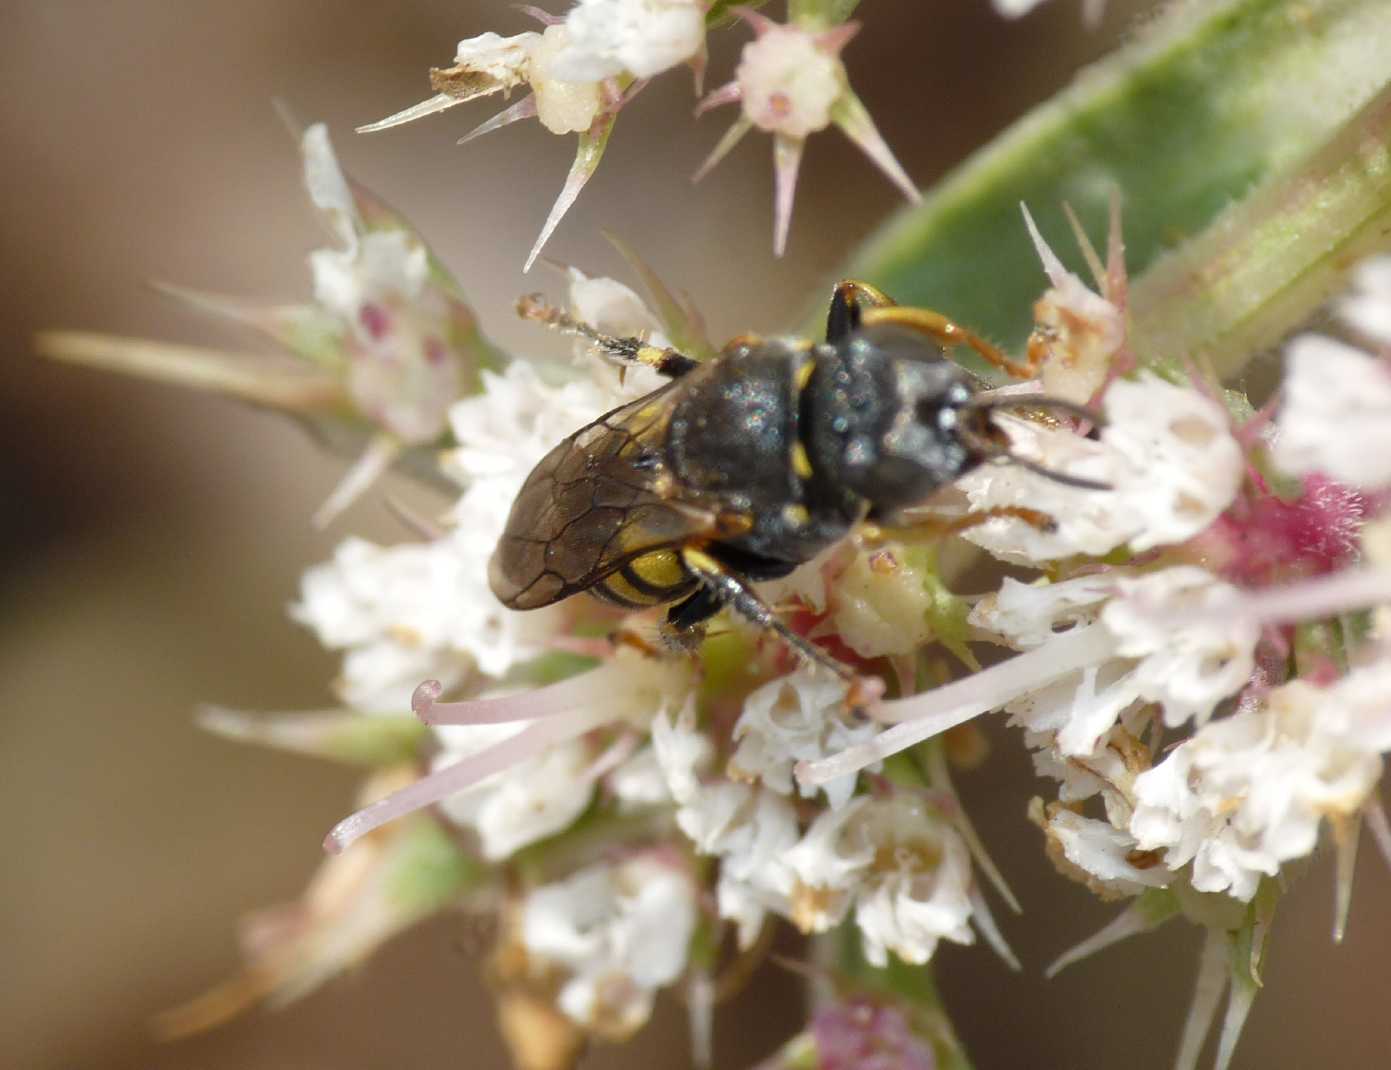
x,y
1265,264
1212,101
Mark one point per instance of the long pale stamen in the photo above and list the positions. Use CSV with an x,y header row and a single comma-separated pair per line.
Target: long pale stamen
x,y
1324,596
933,712
543,702
527,743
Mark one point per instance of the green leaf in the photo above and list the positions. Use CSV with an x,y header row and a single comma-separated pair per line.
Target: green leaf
x,y
816,14
1213,101
428,870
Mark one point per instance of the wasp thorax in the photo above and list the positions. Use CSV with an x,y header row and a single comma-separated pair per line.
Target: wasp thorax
x,y
884,407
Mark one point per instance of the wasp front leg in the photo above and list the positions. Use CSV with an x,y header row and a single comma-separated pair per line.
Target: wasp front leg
x,y
629,350
948,333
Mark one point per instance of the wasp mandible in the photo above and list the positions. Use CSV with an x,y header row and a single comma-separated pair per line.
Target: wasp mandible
x,y
744,467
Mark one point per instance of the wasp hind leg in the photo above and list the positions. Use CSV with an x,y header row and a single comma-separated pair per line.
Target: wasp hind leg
x,y
721,588
665,361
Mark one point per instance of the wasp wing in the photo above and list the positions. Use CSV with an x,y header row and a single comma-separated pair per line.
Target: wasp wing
x,y
599,499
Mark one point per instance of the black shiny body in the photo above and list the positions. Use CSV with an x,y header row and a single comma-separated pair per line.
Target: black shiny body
x,y
740,469
732,437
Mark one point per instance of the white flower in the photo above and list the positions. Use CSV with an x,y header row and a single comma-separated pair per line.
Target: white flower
x,y
401,371
917,890
797,717
1102,854
1247,793
792,83
1186,666
829,863
1335,418
390,609
1078,332
642,37
527,802
620,932
906,871
1369,307
1027,615
502,61
749,829
639,781
612,308
751,832
408,612
563,106
1166,452
789,80
1190,668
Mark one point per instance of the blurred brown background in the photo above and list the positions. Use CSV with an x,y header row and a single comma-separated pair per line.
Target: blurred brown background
x,y
149,539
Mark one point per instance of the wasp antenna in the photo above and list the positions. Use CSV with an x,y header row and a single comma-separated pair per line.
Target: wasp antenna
x,y
1037,401
1056,477
533,306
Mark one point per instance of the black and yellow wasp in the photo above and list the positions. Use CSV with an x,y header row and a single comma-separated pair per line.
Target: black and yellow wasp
x,y
744,467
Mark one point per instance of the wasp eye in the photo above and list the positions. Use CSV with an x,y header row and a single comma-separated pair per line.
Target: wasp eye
x,y
930,411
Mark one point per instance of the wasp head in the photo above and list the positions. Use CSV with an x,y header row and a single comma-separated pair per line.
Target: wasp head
x,y
890,417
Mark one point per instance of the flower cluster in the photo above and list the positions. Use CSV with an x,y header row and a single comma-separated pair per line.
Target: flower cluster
x,y
1199,664
1185,670
587,65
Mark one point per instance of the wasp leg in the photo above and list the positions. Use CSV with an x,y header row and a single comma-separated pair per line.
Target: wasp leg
x,y
728,589
928,528
666,361
848,301
937,326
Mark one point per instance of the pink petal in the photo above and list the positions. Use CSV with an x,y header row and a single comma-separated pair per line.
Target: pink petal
x,y
854,119
1052,266
732,137
436,104
545,18
834,40
523,109
761,23
729,93
787,158
587,157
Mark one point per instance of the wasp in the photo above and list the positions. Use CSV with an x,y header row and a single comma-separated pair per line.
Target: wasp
x,y
743,467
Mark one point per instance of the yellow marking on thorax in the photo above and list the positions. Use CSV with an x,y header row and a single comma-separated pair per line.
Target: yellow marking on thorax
x,y
803,376
650,355
801,463
796,515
